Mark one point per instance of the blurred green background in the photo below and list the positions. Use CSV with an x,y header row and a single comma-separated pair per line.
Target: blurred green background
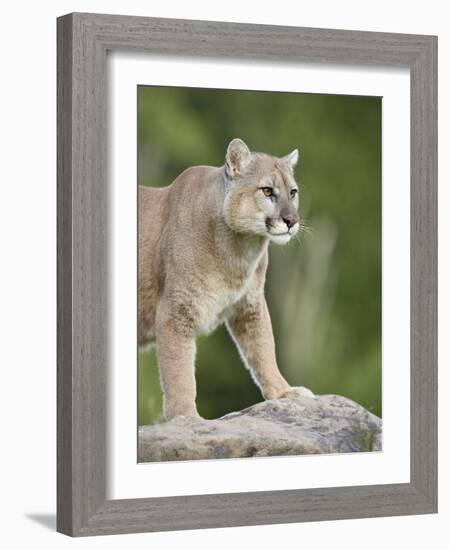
x,y
324,294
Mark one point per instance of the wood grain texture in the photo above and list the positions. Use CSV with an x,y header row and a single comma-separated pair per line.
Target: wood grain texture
x,y
423,273
83,40
64,277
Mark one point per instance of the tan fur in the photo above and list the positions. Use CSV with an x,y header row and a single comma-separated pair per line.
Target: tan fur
x,y
203,256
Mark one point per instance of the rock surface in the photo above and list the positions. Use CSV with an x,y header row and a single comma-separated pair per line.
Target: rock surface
x,y
289,426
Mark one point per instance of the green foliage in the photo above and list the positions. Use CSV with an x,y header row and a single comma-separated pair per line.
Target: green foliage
x,y
324,293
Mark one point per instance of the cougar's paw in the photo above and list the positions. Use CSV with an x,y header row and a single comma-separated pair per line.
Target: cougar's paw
x,y
191,414
184,420
299,391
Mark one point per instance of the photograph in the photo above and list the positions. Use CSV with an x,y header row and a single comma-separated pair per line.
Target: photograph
x,y
259,273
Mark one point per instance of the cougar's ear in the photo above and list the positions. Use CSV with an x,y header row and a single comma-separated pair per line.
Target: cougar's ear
x,y
292,159
237,157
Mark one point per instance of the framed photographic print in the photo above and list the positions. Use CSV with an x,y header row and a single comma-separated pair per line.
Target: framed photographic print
x,y
247,285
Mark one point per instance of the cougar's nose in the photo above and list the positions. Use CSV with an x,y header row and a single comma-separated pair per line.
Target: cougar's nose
x,y
290,220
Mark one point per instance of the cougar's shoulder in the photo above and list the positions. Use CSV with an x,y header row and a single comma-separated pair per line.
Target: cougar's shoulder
x,y
193,185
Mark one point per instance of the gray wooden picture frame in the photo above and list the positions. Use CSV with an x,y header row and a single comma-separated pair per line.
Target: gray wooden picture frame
x,y
83,40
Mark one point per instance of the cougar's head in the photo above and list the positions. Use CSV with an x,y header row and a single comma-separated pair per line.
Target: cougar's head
x,y
261,193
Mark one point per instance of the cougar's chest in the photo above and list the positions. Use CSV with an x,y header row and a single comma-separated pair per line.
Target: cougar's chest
x,y
216,307
229,286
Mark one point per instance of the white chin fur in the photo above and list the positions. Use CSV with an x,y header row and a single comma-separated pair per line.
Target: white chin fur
x,y
279,239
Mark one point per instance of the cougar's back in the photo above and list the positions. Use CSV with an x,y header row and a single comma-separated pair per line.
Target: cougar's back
x,y
152,217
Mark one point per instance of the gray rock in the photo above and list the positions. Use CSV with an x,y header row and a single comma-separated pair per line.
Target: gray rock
x,y
289,426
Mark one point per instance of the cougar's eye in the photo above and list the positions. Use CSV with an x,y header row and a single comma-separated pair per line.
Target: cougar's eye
x,y
293,193
267,191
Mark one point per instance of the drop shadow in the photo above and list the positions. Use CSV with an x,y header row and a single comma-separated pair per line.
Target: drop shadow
x,y
46,520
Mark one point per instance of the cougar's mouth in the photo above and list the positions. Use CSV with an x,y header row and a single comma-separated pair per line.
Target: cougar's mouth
x,y
270,229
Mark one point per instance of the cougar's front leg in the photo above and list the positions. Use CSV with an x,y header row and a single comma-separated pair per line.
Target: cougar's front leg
x,y
175,345
250,326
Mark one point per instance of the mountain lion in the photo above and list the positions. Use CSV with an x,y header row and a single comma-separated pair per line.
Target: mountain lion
x,y
203,256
